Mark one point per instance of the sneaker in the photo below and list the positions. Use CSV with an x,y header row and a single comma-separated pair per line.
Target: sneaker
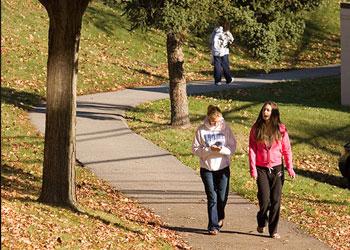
x,y
276,236
260,229
221,223
218,83
213,232
232,80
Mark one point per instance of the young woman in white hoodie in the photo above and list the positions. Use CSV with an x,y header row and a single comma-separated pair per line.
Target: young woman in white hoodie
x,y
214,143
221,38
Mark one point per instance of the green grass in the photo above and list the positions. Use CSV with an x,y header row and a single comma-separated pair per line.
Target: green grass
x,y
112,58
318,126
107,220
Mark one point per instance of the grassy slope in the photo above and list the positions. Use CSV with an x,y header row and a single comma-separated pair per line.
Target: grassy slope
x,y
318,126
111,58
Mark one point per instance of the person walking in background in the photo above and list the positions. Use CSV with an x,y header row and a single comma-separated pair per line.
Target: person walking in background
x,y
268,143
214,143
221,38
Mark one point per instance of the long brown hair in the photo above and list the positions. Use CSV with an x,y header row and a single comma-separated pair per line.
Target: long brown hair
x,y
261,128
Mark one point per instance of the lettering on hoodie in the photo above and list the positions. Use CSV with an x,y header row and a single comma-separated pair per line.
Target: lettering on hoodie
x,y
213,138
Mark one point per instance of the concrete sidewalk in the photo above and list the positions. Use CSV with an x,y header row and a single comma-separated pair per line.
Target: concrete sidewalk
x,y
159,181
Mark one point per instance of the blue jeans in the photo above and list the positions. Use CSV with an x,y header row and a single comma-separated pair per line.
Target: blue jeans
x,y
222,65
216,184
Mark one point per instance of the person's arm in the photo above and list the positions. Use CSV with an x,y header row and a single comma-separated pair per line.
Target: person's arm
x,y
230,147
252,154
230,38
199,147
287,153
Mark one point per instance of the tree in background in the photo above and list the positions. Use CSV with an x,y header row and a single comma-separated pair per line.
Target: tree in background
x,y
262,26
58,186
176,18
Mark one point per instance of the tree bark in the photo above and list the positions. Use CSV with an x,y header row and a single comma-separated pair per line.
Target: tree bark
x,y
58,186
177,89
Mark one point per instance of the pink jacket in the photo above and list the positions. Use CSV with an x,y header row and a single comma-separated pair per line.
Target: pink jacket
x,y
262,156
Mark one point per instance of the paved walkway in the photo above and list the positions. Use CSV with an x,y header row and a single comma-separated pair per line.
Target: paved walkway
x,y
159,181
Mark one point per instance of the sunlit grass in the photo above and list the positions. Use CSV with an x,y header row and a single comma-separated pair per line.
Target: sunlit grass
x,y
107,219
318,126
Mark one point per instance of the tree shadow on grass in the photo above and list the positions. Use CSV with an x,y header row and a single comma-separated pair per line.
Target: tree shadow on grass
x,y
318,93
19,182
21,99
313,32
104,218
105,20
333,180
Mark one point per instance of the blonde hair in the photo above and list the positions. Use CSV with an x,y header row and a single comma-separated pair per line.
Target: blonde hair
x,y
213,111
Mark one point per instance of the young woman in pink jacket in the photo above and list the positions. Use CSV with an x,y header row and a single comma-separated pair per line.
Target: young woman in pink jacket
x,y
268,143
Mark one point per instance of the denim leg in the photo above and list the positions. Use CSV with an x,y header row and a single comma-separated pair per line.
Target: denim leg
x,y
208,181
222,181
226,68
217,69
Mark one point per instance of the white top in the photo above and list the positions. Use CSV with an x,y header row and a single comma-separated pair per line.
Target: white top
x,y
220,41
206,136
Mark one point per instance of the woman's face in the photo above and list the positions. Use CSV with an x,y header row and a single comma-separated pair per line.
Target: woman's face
x,y
214,121
266,112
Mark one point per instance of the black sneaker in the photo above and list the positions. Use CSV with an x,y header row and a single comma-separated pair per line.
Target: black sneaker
x,y
232,80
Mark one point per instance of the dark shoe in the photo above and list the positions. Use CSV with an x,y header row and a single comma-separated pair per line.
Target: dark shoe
x,y
276,236
213,232
232,80
260,229
221,223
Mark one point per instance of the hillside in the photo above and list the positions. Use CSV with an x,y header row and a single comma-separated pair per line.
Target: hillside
x,y
111,58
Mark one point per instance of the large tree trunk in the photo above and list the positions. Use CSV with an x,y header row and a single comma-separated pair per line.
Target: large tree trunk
x,y
177,90
58,186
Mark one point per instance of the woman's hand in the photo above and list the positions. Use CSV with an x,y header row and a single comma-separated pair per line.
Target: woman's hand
x,y
215,148
291,173
254,176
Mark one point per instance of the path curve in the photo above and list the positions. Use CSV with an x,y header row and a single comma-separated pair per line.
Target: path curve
x,y
159,181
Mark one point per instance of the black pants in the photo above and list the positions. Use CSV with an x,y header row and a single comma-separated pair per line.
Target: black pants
x,y
270,182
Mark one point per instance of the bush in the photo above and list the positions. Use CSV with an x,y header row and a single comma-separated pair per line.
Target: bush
x,y
262,26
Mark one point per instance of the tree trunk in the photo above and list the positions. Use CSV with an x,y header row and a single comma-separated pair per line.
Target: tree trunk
x,y
58,186
177,90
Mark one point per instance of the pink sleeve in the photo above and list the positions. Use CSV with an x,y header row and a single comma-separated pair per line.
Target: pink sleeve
x,y
252,154
287,151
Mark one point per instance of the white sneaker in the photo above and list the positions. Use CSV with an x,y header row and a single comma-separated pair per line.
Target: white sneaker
x,y
218,83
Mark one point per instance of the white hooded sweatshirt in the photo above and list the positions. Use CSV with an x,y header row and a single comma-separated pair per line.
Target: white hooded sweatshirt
x,y
206,136
220,41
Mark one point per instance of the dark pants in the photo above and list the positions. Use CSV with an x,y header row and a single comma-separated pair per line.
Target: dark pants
x,y
270,182
222,65
216,184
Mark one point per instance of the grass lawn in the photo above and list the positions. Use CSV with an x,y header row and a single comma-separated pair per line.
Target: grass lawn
x,y
111,58
108,221
318,199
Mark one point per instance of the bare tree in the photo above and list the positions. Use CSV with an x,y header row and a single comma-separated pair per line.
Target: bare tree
x,y
177,81
65,17
176,19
